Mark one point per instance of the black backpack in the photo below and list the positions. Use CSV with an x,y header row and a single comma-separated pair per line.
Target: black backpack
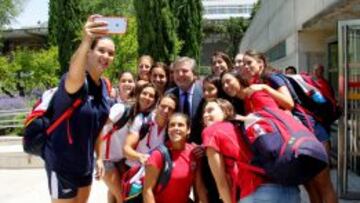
x,y
37,123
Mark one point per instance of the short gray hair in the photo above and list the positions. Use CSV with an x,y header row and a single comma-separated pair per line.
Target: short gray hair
x,y
185,59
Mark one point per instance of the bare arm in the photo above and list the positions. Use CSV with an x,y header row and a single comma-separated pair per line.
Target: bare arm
x,y
129,148
217,166
99,166
151,176
200,188
282,95
76,75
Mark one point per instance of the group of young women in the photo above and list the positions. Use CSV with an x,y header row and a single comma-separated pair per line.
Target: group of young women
x,y
230,92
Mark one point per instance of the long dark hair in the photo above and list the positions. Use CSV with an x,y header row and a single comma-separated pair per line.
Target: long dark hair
x,y
224,57
137,97
166,70
215,80
259,56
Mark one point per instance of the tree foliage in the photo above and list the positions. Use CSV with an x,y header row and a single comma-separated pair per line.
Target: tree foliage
x,y
126,45
189,27
67,32
67,18
235,30
157,30
26,70
8,10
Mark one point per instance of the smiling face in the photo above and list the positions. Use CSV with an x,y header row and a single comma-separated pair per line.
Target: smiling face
x,y
210,91
146,98
184,75
212,113
166,108
218,65
158,78
230,85
126,83
144,66
102,55
252,67
239,61
178,129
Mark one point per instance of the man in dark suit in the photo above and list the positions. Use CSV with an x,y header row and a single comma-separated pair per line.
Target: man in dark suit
x,y
189,94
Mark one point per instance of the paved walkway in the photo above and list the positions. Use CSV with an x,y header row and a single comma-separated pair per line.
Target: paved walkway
x,y
30,185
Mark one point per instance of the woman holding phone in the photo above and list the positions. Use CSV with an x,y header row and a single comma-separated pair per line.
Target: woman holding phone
x,y
69,150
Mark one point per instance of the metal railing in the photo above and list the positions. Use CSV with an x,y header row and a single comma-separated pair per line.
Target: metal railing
x,y
13,118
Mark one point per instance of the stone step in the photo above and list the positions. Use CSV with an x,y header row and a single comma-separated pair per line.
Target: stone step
x,y
12,155
19,160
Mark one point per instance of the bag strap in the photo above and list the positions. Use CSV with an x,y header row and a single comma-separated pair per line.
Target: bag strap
x,y
277,117
69,111
116,126
290,87
64,116
165,173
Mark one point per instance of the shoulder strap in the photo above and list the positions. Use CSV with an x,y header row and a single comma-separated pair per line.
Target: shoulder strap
x,y
290,87
68,112
145,126
64,116
124,118
165,172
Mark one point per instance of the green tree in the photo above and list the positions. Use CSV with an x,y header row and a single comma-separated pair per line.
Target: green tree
x,y
28,70
53,22
189,28
66,21
235,29
157,30
126,45
8,10
68,35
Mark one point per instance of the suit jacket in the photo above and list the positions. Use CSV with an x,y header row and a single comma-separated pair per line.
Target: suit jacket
x,y
196,111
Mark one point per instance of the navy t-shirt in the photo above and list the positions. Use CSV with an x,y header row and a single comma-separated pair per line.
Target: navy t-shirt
x,y
82,129
275,81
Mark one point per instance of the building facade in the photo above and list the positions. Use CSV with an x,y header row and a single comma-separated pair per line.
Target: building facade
x,y
220,10
225,9
307,32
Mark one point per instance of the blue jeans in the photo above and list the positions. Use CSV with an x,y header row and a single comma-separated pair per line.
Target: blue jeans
x,y
273,193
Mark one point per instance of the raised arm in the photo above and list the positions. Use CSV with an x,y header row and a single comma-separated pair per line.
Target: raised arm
x,y
76,75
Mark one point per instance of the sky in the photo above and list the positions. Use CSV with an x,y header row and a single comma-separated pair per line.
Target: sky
x,y
32,12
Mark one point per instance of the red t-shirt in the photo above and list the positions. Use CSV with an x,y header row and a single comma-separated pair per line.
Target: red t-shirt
x,y
258,100
224,138
182,175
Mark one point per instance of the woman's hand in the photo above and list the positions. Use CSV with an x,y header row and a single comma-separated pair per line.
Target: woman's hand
x,y
99,169
198,152
256,87
94,28
143,158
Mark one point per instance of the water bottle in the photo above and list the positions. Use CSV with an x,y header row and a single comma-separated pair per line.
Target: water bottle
x,y
136,188
317,97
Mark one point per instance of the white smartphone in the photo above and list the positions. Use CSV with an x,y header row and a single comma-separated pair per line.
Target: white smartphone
x,y
116,25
